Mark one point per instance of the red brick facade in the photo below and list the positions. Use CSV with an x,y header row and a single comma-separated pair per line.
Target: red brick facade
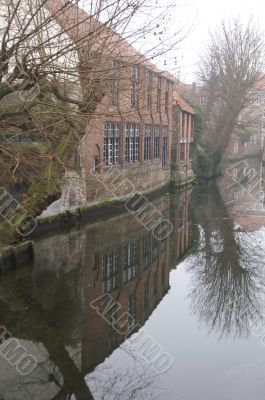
x,y
181,151
130,134
131,142
247,139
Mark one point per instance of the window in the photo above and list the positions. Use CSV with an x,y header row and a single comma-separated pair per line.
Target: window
x,y
131,311
166,102
183,125
202,100
163,244
190,151
146,295
165,145
111,317
154,248
111,143
109,271
167,97
96,164
147,142
236,147
129,262
115,83
149,90
163,274
235,173
158,95
146,256
156,141
180,216
132,143
182,151
165,131
155,289
192,126
134,86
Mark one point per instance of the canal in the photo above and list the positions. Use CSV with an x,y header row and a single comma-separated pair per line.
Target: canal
x,y
110,311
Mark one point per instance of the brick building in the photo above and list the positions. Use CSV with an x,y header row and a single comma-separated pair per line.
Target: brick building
x,y
133,135
182,141
194,93
130,135
247,139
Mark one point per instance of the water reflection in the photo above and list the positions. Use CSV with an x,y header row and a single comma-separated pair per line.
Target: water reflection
x,y
242,190
228,291
48,307
228,277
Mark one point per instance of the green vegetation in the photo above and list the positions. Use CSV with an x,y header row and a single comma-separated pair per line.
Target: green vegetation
x,y
244,136
206,163
198,123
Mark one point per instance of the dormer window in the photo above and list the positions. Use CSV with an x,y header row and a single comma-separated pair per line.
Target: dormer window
x,y
158,95
134,86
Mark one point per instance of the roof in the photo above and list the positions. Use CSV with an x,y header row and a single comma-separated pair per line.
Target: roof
x,y
259,86
178,100
79,26
251,222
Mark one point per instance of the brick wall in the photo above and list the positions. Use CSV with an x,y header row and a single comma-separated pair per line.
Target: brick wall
x,y
142,174
181,150
137,96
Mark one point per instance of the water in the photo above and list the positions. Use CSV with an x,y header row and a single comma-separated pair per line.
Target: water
x,y
197,297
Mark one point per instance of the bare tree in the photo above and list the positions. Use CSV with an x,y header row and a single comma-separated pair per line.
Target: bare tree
x,y
55,68
230,66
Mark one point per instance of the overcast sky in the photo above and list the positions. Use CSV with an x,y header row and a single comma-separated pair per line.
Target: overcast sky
x,y
195,18
205,15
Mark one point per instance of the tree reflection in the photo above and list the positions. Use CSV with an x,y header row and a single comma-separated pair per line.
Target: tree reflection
x,y
227,281
29,320
48,307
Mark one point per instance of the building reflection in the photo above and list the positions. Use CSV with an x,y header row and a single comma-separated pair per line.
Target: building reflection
x,y
48,306
242,190
118,257
131,265
182,226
